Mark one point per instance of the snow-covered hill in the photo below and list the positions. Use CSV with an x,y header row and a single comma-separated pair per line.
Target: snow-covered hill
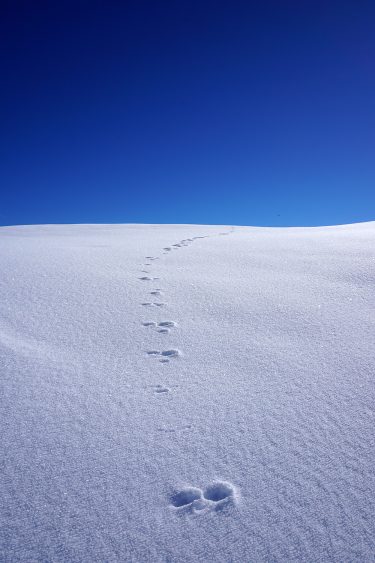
x,y
187,393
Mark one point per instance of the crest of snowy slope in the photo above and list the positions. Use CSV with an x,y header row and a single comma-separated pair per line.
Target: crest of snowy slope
x,y
187,393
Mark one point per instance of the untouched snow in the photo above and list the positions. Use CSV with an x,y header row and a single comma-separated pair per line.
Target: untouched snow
x,y
213,402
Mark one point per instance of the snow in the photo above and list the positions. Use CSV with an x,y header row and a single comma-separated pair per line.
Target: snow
x,y
212,402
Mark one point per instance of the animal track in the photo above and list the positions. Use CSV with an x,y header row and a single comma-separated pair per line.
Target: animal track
x,y
218,491
165,355
213,497
185,497
171,353
161,389
216,495
168,430
162,327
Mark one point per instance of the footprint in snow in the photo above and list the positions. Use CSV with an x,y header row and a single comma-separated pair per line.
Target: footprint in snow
x,y
163,326
165,355
185,428
186,497
219,491
213,497
161,389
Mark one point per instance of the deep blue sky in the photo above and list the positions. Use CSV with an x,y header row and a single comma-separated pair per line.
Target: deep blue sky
x,y
252,113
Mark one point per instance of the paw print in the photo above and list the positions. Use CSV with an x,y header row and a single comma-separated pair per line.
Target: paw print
x,y
213,497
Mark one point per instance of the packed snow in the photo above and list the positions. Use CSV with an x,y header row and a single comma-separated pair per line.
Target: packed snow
x,y
182,393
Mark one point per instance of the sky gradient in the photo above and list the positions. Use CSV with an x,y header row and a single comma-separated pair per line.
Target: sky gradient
x,y
248,113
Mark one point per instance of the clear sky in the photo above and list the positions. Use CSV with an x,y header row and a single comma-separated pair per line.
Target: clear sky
x,y
252,113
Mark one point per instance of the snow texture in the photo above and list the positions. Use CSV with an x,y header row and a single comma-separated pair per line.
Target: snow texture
x,y
187,393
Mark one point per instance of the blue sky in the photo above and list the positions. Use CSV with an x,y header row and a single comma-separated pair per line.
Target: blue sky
x,y
252,113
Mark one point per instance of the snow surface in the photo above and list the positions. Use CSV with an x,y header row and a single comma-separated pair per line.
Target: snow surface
x,y
213,402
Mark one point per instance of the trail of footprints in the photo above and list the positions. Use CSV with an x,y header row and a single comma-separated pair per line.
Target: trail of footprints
x,y
219,494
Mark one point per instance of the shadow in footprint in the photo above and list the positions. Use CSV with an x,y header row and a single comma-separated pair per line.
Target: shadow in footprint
x,y
186,497
171,353
161,389
163,327
167,324
165,355
219,494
